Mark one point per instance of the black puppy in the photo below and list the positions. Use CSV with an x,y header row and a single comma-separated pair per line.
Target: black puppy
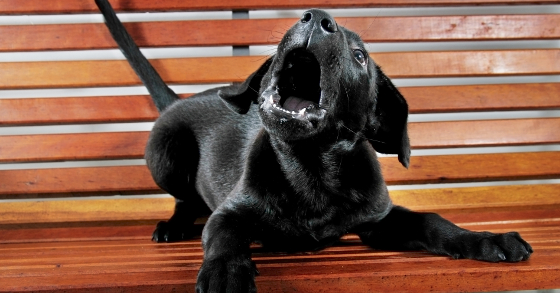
x,y
298,170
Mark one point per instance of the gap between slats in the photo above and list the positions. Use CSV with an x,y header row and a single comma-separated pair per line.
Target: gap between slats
x,y
84,6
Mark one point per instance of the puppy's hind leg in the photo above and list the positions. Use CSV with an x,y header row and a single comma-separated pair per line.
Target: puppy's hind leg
x,y
172,157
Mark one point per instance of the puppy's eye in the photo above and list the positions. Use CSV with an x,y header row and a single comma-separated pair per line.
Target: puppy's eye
x,y
360,57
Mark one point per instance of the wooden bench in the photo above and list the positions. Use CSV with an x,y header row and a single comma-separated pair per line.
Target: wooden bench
x,y
77,209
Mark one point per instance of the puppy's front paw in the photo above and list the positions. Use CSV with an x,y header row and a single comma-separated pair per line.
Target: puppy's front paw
x,y
235,275
492,247
168,232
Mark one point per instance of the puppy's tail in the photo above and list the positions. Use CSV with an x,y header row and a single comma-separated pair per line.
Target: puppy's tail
x,y
162,95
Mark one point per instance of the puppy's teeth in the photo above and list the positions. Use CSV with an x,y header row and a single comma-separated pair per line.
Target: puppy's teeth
x,y
302,111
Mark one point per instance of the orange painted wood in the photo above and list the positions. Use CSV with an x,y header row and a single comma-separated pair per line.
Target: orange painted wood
x,y
130,145
452,134
75,146
423,169
68,181
498,97
479,167
234,69
468,98
270,31
84,6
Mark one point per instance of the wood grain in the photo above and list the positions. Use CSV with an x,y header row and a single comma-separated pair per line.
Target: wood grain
x,y
75,146
78,110
479,133
130,145
472,98
478,167
81,210
235,69
468,98
134,209
85,6
270,31
423,169
69,181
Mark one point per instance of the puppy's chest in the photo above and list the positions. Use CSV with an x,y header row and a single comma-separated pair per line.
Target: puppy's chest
x,y
308,230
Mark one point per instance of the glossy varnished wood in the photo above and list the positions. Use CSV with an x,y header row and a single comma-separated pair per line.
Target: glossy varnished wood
x,y
423,169
468,98
235,69
270,31
102,244
85,262
130,145
472,98
68,181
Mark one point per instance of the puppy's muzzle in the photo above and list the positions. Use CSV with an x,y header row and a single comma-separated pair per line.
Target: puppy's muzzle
x,y
320,24
319,18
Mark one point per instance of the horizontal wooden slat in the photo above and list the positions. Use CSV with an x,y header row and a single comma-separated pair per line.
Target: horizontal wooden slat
x,y
479,167
488,198
270,31
423,169
472,98
484,133
234,69
85,6
140,108
130,145
75,146
132,209
83,210
79,110
156,268
112,180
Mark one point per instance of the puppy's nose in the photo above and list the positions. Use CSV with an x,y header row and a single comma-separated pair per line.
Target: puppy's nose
x,y
321,17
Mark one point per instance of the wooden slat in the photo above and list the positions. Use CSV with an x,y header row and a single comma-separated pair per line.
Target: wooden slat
x,y
270,31
130,145
423,169
131,209
112,180
470,98
479,167
381,271
75,146
498,97
84,210
85,6
79,110
452,134
488,198
234,69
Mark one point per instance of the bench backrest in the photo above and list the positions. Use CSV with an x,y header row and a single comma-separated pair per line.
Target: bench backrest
x,y
475,80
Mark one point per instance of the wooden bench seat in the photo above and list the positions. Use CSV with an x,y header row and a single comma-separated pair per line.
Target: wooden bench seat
x,y
77,209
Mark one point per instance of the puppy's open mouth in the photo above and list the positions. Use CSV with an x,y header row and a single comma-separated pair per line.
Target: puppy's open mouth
x,y
299,83
297,93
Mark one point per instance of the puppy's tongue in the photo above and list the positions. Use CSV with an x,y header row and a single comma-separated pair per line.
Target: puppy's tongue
x,y
295,104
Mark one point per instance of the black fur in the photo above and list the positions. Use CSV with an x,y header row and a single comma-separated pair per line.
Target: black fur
x,y
292,181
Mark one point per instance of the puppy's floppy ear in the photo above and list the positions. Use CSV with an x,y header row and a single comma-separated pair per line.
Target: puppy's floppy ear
x,y
239,98
389,133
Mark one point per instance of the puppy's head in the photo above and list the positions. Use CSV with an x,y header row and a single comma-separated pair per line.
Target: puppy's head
x,y
322,82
